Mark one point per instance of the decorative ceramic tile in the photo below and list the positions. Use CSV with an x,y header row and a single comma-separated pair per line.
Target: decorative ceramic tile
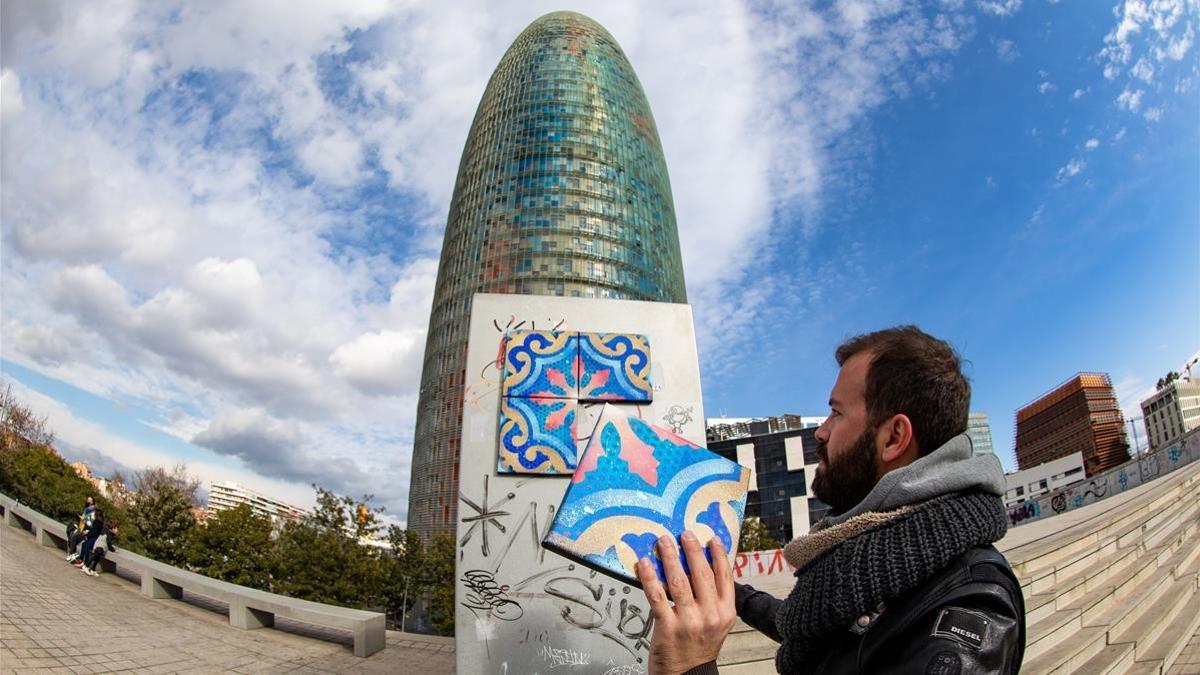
x,y
541,364
537,435
614,367
637,482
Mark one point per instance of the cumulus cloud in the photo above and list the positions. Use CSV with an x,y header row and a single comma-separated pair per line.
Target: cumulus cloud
x,y
1092,143
1078,94
381,361
1045,87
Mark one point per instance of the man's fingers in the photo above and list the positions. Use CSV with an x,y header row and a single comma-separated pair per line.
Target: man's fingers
x,y
722,572
677,582
701,574
653,588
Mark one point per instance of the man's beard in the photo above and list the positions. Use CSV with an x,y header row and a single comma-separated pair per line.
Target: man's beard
x,y
844,483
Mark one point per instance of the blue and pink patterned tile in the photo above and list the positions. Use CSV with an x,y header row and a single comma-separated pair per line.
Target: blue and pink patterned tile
x,y
614,367
537,436
541,364
637,482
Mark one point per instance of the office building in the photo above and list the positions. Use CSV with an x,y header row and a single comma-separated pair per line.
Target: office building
x,y
223,496
1080,415
783,463
979,428
1041,479
1171,412
722,428
562,189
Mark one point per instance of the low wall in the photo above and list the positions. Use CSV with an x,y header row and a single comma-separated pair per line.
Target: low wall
x,y
751,564
1129,475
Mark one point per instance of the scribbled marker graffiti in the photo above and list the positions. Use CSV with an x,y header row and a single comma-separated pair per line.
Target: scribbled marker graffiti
x,y
482,593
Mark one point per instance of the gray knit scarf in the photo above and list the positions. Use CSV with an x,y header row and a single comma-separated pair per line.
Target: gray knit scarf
x,y
849,569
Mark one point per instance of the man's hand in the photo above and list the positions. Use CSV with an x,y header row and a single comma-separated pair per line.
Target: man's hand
x,y
690,633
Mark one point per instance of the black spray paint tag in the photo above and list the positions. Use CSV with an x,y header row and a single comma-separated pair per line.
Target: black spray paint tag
x,y
962,625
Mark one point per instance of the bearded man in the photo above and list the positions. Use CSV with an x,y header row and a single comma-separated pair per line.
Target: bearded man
x,y
901,576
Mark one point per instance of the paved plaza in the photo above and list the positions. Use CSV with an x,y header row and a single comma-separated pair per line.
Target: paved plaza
x,y
55,619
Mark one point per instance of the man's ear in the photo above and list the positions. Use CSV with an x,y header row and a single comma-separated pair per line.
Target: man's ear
x,y
895,443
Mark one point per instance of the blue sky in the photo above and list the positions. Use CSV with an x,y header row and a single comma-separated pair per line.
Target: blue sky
x,y
221,221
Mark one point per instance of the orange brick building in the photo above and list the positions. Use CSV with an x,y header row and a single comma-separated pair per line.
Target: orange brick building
x,y
1080,415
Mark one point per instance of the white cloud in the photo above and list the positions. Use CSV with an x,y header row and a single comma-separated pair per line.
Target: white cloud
x,y
381,361
1045,87
1130,100
1078,94
1153,114
1092,143
1119,135
1149,35
1142,70
1000,7
1071,168
1006,51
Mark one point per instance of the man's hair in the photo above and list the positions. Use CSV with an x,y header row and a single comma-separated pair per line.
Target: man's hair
x,y
915,374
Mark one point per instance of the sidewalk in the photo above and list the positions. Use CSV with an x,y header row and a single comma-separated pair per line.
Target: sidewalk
x,y
55,619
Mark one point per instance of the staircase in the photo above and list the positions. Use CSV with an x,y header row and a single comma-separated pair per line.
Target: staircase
x,y
1113,587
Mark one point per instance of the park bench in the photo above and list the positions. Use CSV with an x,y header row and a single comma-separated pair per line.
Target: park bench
x,y
249,608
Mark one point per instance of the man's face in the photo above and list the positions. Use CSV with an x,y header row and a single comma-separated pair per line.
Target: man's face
x,y
848,467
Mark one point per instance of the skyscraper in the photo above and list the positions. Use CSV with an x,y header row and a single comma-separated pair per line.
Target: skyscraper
x,y
1080,415
562,189
979,428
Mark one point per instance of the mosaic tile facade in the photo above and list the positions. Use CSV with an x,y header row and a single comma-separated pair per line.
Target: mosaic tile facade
x,y
637,482
562,190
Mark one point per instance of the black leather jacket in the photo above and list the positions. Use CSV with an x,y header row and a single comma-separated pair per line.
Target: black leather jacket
x,y
967,618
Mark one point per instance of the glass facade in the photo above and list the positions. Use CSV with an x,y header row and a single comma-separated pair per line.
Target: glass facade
x,y
562,189
979,428
778,483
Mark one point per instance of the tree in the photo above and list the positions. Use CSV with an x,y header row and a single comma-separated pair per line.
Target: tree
x,y
233,545
31,471
320,557
439,566
1166,380
162,512
19,420
755,536
404,566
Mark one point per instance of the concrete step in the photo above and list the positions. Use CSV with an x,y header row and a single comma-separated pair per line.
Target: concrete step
x,y
1167,647
1048,633
1145,668
1151,624
1111,660
1038,607
1067,656
1182,520
751,668
1128,606
746,646
1107,572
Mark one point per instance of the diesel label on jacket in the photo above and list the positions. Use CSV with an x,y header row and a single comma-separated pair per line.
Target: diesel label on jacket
x,y
961,625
